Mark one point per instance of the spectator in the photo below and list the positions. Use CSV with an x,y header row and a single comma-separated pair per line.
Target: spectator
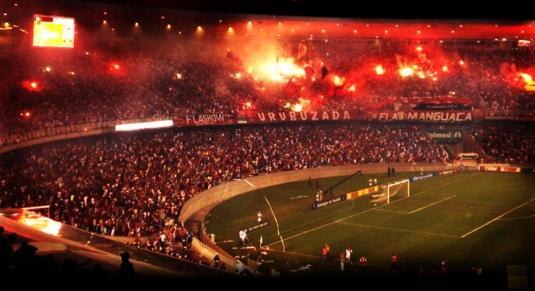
x,y
126,271
216,261
325,250
394,262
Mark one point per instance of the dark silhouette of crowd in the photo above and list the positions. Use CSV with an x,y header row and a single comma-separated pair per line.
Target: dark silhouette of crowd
x,y
19,259
506,142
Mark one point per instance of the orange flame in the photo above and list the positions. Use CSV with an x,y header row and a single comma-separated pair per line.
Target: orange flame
x,y
338,81
41,223
379,70
406,72
281,70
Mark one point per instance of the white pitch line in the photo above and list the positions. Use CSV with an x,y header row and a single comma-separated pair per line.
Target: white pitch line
x,y
415,210
402,230
391,211
496,218
517,218
277,223
432,204
250,184
246,181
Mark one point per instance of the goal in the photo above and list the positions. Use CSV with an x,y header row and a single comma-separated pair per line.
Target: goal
x,y
399,188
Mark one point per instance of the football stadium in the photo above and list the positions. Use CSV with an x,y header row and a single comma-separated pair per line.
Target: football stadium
x,y
141,143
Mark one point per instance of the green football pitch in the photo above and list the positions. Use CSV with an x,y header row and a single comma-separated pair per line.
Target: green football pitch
x,y
469,218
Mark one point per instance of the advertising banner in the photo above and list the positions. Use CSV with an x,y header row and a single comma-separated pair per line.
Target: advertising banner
x,y
442,106
208,119
503,169
446,172
328,202
256,226
284,116
424,116
421,177
446,135
362,192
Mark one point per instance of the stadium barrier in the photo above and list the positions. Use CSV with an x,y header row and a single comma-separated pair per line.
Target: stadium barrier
x,y
528,170
208,253
504,168
84,249
327,202
127,239
447,172
53,134
18,140
422,177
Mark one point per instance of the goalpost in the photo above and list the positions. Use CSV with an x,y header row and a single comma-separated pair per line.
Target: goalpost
x,y
390,190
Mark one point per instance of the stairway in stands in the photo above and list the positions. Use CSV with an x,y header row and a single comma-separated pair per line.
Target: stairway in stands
x,y
470,146
467,145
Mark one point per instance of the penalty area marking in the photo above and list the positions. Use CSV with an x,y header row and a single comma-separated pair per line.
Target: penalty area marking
x,y
496,218
368,210
431,204
415,210
517,218
401,230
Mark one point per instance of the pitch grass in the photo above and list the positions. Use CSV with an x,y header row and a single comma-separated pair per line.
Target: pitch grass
x,y
422,237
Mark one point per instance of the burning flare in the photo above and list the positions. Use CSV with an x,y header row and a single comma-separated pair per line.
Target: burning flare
x,y
406,72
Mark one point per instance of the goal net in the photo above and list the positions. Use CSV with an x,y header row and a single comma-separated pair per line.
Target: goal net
x,y
399,189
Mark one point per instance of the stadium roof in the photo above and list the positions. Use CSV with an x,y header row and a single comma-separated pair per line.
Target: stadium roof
x,y
331,24
344,8
400,29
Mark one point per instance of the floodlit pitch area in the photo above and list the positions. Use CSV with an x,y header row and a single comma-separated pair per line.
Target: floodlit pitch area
x,y
470,218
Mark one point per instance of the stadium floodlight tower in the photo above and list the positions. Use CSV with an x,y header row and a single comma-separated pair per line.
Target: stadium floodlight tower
x,y
392,189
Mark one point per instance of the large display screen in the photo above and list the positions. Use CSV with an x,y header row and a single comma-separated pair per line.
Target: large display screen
x,y
53,31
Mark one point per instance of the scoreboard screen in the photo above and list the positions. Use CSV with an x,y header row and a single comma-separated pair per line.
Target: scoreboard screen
x,y
53,31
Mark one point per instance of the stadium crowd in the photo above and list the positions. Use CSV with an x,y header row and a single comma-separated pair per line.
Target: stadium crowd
x,y
136,184
507,143
133,80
